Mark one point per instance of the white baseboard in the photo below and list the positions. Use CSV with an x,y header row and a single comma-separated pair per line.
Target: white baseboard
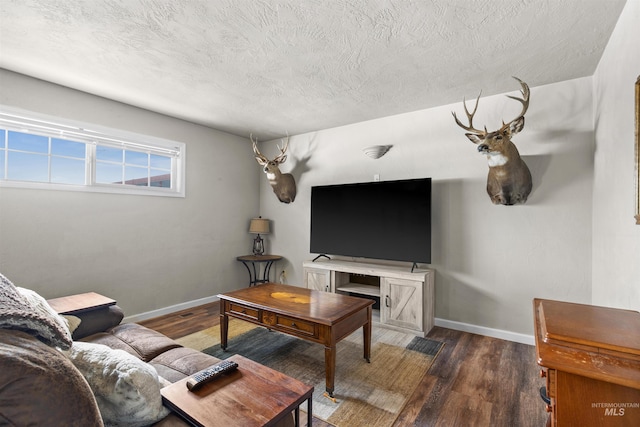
x,y
168,310
489,332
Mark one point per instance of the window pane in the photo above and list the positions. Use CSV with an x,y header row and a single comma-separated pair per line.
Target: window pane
x,y
28,167
109,154
160,162
27,142
160,178
62,147
107,173
3,133
2,157
67,171
136,158
136,176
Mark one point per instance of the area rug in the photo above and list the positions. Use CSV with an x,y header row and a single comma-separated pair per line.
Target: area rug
x,y
366,394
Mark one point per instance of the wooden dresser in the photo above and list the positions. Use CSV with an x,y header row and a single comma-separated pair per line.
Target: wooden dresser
x,y
590,357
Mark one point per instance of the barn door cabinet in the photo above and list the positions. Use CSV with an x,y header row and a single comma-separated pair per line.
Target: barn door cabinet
x,y
318,279
406,299
590,358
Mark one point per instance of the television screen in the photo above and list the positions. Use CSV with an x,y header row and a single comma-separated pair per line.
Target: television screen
x,y
389,220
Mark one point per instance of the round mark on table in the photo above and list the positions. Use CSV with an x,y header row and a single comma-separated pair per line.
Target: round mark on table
x,y
300,299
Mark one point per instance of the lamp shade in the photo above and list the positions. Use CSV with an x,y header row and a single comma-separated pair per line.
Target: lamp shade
x,y
259,226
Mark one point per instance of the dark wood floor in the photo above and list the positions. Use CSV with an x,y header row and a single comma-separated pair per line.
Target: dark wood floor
x,y
474,381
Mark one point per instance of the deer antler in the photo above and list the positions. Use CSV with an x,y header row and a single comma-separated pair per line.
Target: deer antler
x,y
255,149
524,101
470,128
282,157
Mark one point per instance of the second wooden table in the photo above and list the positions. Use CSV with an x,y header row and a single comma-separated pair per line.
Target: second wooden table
x,y
316,316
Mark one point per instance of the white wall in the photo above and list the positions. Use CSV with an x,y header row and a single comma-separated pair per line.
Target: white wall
x,y
146,252
490,261
616,238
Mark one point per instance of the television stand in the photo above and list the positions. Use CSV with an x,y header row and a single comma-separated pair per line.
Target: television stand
x,y
406,298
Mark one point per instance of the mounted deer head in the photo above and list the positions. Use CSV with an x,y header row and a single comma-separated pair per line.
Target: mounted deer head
x,y
509,180
283,184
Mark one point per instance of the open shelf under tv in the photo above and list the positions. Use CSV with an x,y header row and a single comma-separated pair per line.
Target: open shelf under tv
x,y
359,288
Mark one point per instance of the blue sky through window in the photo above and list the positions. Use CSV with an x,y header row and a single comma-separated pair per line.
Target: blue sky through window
x,y
38,158
27,142
63,147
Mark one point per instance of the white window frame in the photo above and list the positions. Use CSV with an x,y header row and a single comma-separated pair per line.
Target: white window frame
x,y
93,135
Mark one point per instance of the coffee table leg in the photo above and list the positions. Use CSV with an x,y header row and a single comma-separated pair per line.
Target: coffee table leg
x,y
366,333
224,330
330,368
309,411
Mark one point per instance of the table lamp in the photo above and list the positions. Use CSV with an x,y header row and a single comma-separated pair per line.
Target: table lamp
x,y
258,226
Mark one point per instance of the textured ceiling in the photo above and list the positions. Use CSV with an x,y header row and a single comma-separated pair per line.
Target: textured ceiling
x,y
301,65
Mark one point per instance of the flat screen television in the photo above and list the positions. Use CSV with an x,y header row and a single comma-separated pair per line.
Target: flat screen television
x,y
387,220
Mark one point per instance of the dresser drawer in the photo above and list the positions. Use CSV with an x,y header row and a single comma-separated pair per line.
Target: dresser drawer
x,y
243,311
295,326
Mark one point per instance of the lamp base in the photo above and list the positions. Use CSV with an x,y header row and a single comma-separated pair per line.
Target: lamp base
x,y
258,245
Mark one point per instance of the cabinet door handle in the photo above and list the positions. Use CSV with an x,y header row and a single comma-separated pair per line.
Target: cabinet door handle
x,y
386,301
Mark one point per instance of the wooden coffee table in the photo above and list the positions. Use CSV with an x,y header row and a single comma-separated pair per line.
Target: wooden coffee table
x,y
252,395
321,317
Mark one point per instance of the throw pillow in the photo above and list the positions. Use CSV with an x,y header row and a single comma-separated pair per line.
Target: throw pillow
x,y
27,311
126,388
72,321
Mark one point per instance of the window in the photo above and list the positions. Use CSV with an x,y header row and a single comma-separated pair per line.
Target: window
x,y
39,153
129,167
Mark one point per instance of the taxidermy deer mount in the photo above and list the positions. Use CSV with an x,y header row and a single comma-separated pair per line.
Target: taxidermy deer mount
x,y
283,184
509,180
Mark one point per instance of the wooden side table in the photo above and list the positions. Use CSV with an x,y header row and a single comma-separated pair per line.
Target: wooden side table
x,y
254,270
252,395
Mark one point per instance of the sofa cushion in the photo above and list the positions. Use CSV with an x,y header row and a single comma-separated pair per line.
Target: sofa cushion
x,y
27,311
177,363
135,339
39,386
127,389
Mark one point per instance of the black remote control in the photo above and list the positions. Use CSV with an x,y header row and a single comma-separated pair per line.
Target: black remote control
x,y
211,373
